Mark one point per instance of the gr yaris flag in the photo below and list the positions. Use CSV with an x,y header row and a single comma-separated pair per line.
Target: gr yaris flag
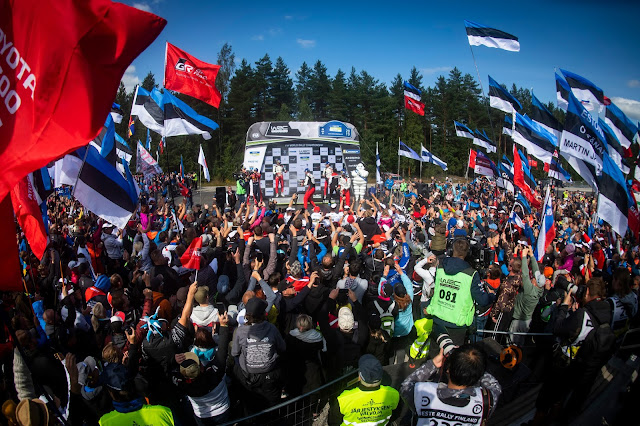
x,y
190,76
62,62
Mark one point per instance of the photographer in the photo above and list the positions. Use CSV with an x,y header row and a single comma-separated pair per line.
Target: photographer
x,y
586,341
456,290
468,394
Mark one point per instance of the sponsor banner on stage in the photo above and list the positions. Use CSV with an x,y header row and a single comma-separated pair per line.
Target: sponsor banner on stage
x,y
300,146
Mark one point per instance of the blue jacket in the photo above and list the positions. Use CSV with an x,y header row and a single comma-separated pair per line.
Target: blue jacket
x,y
404,319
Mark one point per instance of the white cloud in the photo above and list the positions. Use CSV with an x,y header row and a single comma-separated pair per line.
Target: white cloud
x,y
258,37
142,6
306,44
633,83
628,106
288,17
275,31
434,70
130,79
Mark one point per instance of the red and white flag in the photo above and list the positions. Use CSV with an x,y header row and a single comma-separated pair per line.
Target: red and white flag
x,y
191,76
62,63
29,215
414,105
472,159
191,258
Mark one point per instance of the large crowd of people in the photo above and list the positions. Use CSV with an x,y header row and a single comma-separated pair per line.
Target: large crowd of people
x,y
113,329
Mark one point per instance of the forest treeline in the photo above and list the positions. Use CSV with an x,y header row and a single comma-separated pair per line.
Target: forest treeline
x,y
267,90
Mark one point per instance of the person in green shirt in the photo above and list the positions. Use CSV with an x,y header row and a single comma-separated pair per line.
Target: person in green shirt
x,y
526,300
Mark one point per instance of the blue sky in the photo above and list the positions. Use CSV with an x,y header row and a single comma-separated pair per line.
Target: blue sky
x,y
596,39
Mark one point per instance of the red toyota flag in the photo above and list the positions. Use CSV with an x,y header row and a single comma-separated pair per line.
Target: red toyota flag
x,y
27,211
62,62
190,76
472,159
191,258
9,260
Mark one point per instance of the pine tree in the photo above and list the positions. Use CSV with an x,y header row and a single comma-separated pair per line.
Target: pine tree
x,y
320,87
149,82
304,111
262,80
282,86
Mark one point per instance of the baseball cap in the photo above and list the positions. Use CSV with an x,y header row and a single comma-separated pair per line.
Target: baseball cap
x,y
370,370
190,367
256,307
118,317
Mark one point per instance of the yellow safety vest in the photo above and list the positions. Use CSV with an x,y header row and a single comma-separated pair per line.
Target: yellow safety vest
x,y
452,301
420,346
156,415
371,408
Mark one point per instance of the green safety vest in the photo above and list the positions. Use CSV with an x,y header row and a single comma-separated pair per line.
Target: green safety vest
x,y
240,189
156,415
451,299
372,407
420,347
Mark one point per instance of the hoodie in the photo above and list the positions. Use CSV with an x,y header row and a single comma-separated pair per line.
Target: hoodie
x,y
454,265
258,347
204,316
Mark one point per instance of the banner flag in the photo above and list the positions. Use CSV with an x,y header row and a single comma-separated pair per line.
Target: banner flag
x,y
582,137
484,166
146,164
191,76
191,258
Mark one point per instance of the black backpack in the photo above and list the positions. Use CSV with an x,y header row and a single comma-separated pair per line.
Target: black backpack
x,y
599,343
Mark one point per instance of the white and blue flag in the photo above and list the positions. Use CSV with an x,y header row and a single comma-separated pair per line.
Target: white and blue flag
x,y
405,151
428,157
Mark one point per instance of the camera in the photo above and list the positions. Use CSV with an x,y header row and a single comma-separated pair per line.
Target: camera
x,y
445,343
578,291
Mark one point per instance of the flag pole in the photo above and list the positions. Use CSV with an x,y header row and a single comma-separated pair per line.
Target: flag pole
x,y
466,173
200,180
483,95
398,156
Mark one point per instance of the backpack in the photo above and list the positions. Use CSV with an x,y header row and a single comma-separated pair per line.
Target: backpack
x,y
387,320
600,341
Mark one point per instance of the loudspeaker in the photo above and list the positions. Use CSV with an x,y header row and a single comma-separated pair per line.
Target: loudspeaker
x,y
220,196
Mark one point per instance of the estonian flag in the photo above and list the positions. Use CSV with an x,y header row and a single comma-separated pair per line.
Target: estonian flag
x,y
148,107
541,115
614,148
613,198
99,187
479,35
483,140
590,95
505,176
116,113
180,119
556,171
620,124
562,93
523,203
507,128
463,131
428,157
412,98
582,137
405,151
105,141
122,149
501,99
534,138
